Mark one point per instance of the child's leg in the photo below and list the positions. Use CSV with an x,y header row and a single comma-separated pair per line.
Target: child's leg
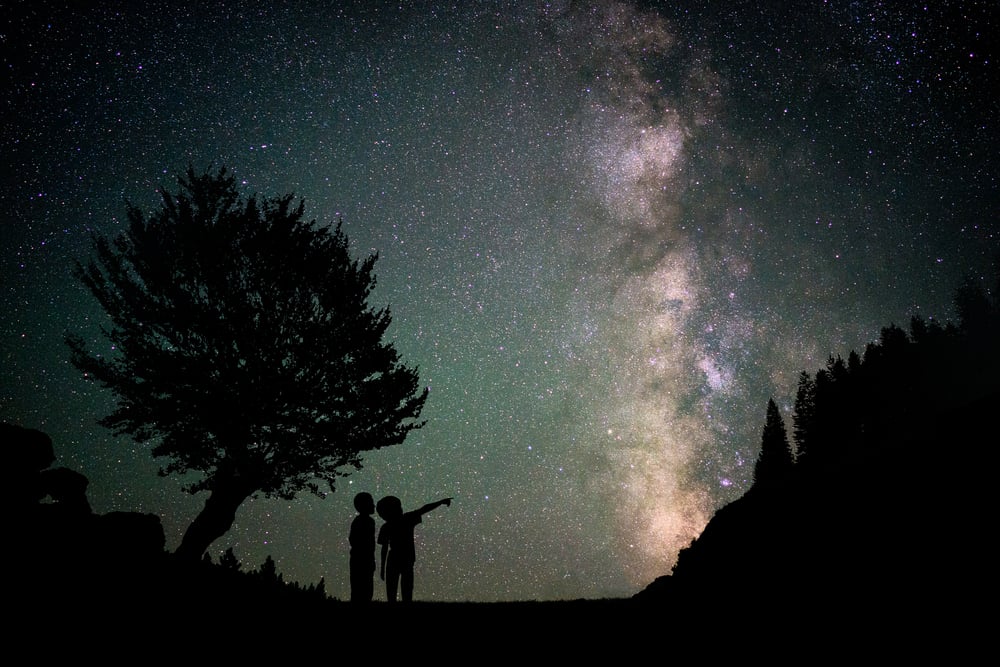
x,y
407,582
355,583
391,579
362,582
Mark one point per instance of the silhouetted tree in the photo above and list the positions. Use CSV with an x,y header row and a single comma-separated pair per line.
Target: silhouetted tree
x,y
245,348
804,417
229,561
269,572
775,460
834,425
920,331
853,364
972,305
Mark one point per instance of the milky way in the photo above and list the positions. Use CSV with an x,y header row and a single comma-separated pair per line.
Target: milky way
x,y
608,233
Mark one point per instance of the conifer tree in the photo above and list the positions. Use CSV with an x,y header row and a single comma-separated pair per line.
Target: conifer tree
x,y
228,561
775,460
804,417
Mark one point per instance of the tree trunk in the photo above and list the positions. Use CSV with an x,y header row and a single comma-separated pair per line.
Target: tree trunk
x,y
215,519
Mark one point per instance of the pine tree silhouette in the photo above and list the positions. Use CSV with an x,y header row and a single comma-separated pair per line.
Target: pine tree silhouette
x,y
775,461
804,417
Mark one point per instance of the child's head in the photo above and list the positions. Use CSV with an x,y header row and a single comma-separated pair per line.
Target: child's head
x,y
364,503
390,508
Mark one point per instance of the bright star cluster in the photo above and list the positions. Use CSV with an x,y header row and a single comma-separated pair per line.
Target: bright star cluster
x,y
608,232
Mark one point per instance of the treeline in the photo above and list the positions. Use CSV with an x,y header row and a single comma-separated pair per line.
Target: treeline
x,y
878,504
904,387
265,581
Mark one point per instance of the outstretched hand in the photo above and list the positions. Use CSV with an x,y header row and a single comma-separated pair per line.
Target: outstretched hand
x,y
447,502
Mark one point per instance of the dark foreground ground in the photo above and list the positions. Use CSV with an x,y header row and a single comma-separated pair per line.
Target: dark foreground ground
x,y
583,631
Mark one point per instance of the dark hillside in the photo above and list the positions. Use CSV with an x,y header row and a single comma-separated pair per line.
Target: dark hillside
x,y
886,514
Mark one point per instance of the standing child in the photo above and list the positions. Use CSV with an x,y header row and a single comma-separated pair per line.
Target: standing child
x,y
362,540
396,538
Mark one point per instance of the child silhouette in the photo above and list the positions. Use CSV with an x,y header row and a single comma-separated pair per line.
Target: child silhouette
x,y
362,540
396,538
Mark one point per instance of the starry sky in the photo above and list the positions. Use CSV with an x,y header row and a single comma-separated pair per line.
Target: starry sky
x,y
608,232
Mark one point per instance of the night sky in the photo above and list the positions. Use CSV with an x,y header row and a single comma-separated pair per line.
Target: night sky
x,y
608,233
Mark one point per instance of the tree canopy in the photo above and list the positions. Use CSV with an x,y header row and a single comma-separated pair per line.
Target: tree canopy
x,y
244,347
